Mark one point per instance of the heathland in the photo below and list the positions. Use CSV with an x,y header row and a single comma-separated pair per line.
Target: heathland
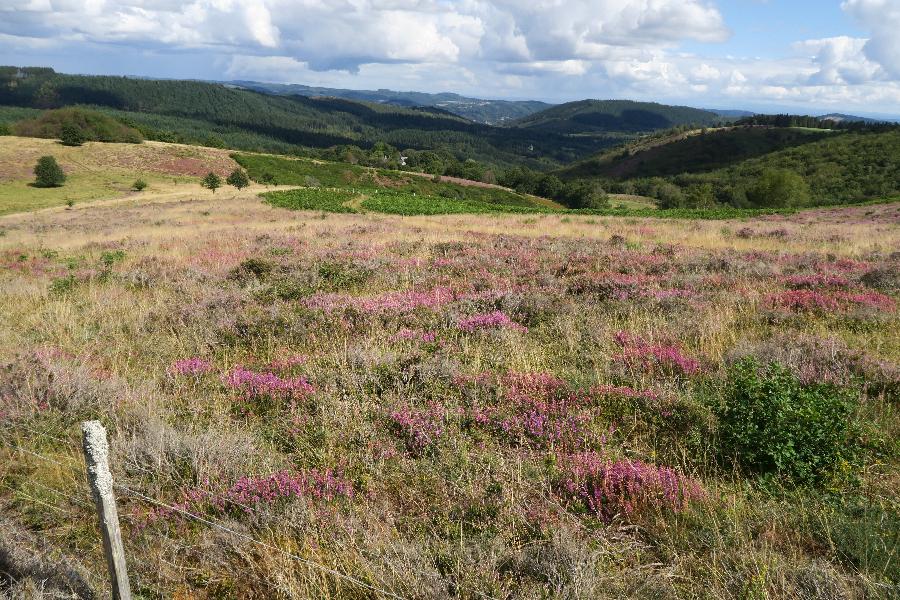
x,y
452,406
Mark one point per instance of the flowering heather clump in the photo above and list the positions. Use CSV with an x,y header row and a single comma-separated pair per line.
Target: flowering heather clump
x,y
625,487
419,428
493,320
537,408
190,366
248,492
818,280
391,302
639,352
803,300
254,384
813,301
874,300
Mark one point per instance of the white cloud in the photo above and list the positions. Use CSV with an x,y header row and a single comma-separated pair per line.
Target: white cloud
x,y
554,49
882,18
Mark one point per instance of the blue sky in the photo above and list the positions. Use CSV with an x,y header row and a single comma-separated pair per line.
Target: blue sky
x,y
797,55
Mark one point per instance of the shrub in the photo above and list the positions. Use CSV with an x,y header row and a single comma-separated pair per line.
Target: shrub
x,y
238,178
139,185
48,173
773,424
211,182
776,188
70,135
627,488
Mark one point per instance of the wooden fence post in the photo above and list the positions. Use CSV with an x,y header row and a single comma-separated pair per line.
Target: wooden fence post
x,y
96,455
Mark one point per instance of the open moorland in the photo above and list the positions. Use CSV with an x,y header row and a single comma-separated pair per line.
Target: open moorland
x,y
363,405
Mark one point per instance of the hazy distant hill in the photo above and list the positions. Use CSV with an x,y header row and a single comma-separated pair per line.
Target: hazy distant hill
x,y
619,116
851,118
491,112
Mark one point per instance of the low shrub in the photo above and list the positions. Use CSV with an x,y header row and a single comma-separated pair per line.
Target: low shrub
x,y
773,424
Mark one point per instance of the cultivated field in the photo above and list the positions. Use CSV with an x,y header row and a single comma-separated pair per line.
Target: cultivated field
x,y
500,406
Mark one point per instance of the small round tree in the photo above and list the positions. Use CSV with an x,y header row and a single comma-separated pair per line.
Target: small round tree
x,y
48,173
778,188
71,135
211,182
238,178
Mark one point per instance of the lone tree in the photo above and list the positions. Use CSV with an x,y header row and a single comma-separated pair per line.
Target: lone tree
x,y
211,182
71,135
778,188
48,173
238,179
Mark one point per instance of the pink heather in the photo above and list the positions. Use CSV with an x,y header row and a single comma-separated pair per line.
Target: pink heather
x,y
493,320
419,428
626,487
248,491
637,351
190,366
267,384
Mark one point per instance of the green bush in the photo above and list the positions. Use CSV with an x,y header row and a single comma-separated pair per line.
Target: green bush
x,y
139,185
772,424
70,135
48,173
776,188
211,182
238,178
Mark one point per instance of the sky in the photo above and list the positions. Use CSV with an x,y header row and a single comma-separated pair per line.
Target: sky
x,y
787,55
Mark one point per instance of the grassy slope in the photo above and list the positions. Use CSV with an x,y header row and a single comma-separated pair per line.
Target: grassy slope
x,y
98,171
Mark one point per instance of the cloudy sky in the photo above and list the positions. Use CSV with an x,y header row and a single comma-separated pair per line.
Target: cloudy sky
x,y
804,54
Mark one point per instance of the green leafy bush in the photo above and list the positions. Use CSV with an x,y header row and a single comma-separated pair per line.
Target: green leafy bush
x,y
238,178
211,182
70,135
48,173
139,185
774,425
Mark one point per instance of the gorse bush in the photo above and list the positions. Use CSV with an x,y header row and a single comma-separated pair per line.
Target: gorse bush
x,y
774,425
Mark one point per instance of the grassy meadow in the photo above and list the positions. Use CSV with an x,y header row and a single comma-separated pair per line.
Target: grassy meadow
x,y
497,405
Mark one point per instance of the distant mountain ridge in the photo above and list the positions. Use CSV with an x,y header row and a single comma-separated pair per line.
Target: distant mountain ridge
x,y
489,112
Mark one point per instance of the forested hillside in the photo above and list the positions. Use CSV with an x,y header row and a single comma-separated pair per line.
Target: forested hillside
x,y
622,116
726,166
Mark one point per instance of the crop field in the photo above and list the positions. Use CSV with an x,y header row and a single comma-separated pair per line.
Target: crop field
x,y
458,406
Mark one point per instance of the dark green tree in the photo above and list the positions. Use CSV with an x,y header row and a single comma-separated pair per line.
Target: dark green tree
x,y
48,173
238,178
70,135
211,182
777,188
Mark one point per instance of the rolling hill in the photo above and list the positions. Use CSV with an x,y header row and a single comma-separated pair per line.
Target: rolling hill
x,y
694,151
592,117
489,112
839,167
